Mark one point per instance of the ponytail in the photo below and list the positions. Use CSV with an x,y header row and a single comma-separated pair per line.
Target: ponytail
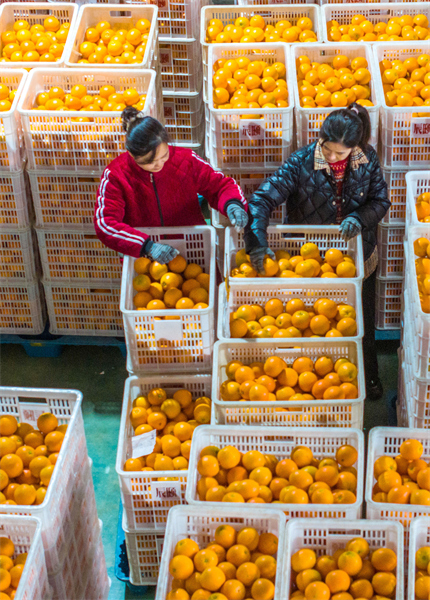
x,y
348,126
143,134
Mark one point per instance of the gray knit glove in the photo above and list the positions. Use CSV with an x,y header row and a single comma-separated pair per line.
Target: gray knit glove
x,y
162,253
257,258
349,228
237,215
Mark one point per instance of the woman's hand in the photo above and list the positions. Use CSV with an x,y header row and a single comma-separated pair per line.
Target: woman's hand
x,y
237,215
162,253
349,228
257,258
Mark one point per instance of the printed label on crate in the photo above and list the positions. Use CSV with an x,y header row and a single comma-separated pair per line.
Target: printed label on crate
x,y
420,127
249,186
169,110
160,3
166,490
249,129
30,412
143,444
165,56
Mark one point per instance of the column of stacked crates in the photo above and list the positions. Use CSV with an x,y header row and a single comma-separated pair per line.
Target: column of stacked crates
x,y
70,545
67,153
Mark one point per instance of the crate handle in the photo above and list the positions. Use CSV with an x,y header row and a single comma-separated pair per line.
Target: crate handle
x,y
286,350
120,13
40,11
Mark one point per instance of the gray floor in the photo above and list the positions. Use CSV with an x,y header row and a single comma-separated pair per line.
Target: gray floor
x,y
100,373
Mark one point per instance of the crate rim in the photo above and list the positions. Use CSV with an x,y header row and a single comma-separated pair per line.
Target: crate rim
x,y
84,284
417,524
24,76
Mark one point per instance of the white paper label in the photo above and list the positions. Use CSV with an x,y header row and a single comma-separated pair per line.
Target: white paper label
x,y
165,57
143,444
166,490
169,110
29,412
251,130
420,128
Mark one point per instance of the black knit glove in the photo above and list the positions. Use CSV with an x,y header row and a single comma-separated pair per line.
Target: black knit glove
x,y
349,228
257,258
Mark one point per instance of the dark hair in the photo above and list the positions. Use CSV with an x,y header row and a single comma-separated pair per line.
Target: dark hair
x,y
143,134
348,126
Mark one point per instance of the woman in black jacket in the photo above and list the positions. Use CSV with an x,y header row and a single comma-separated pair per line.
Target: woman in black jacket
x,y
337,179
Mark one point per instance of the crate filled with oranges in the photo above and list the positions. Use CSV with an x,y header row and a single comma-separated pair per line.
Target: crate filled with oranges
x,y
348,76
250,104
21,308
418,570
88,134
418,197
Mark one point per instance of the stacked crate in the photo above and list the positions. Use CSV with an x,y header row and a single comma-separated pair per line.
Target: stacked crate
x,y
70,529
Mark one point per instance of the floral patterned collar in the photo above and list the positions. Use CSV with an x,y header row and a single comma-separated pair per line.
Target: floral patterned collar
x,y
356,158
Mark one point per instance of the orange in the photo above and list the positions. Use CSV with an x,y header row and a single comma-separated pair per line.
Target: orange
x,y
384,584
383,463
317,590
204,559
208,466
212,579
338,581
388,480
302,456
268,544
7,547
248,537
350,562
303,559
304,578
225,536
181,567
346,456
8,425
325,564
12,465
262,589
384,559
247,573
411,449
328,475
238,554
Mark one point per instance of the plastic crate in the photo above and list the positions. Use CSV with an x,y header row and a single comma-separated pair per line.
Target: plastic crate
x,y
330,536
271,15
264,2
387,441
325,236
141,511
79,309
55,141
417,182
155,345
11,137
180,66
26,404
21,309
391,254
177,19
98,581
144,550
416,394
184,117
312,413
200,525
396,183
25,533
381,13
309,120
17,256
14,203
388,303
238,140
404,136
419,537
35,13
73,255
279,442
116,14
419,329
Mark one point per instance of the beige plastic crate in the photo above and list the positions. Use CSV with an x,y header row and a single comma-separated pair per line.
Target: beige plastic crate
x,y
11,136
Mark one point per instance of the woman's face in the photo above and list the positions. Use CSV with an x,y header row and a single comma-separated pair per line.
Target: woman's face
x,y
334,152
157,163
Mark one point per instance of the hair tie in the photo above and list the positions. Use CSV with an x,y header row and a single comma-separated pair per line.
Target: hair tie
x,y
354,110
139,115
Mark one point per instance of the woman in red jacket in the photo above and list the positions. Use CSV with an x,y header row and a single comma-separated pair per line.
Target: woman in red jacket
x,y
157,185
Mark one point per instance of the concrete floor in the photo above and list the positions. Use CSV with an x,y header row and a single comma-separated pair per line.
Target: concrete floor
x,y
99,372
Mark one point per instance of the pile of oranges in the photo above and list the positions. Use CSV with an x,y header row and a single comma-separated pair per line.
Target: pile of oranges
x,y
407,82
353,571
255,29
338,83
78,98
422,206
35,43
404,479
405,28
117,44
245,83
422,267
11,568
178,284
236,564
28,457
309,263
174,420
325,318
7,97
255,478
422,580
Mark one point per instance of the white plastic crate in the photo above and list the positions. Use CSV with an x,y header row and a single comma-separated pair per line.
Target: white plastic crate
x,y
98,581
180,66
84,309
21,309
26,404
11,137
388,303
332,535
239,140
419,537
73,255
386,441
89,15
271,15
64,199
56,141
155,345
36,13
177,19
144,550
307,413
404,135
141,511
309,120
14,200
184,117
417,182
264,2
25,533
417,325
279,442
325,236
391,254
382,13
416,394
200,525
17,256
396,184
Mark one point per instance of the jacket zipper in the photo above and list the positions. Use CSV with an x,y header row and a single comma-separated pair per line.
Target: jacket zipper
x,y
158,199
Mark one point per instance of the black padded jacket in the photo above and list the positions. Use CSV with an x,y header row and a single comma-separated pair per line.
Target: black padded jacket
x,y
310,197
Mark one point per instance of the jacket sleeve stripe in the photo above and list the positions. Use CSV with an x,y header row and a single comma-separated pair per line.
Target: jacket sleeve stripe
x,y
239,191
107,229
